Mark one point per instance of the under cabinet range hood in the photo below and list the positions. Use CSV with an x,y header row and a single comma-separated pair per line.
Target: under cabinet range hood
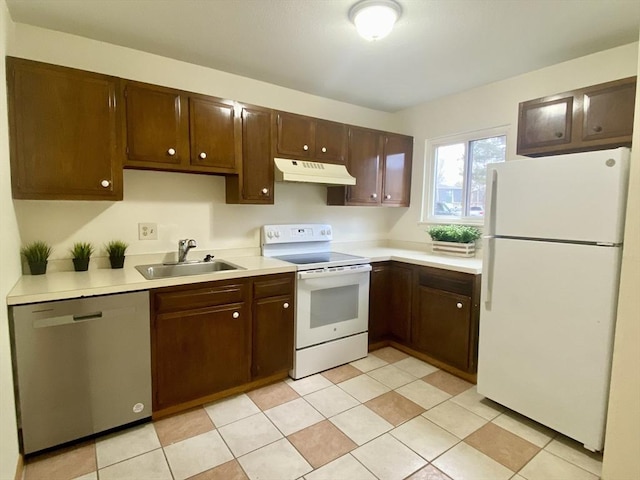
x,y
311,172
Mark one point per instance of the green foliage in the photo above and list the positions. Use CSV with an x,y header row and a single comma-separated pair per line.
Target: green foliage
x,y
82,250
454,233
116,248
36,252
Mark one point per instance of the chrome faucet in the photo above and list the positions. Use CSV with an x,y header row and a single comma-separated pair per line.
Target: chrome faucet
x,y
183,248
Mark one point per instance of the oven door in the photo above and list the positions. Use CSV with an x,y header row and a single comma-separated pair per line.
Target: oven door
x,y
332,304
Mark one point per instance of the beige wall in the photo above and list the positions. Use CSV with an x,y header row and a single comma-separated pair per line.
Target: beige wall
x,y
622,446
496,105
9,270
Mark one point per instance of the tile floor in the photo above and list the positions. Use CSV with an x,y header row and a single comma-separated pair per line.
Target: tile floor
x,y
388,416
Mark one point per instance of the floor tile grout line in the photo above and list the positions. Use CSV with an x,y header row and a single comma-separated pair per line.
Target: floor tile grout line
x,y
166,459
569,461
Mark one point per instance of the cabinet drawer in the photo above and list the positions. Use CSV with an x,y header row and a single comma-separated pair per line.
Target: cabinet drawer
x,y
280,285
448,281
203,296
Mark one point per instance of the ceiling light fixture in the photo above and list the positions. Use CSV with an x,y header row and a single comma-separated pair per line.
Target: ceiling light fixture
x,y
374,19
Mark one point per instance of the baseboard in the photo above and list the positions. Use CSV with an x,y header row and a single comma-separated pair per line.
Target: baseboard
x,y
19,468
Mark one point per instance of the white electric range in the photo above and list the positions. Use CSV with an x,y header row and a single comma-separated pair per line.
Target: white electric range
x,y
332,296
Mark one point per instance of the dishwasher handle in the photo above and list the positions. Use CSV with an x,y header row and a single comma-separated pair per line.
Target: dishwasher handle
x,y
81,317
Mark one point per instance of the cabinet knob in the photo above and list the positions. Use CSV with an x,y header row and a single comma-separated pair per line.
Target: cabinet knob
x,y
171,152
203,155
105,183
559,134
387,197
264,191
459,305
305,147
324,149
286,305
235,315
374,195
597,128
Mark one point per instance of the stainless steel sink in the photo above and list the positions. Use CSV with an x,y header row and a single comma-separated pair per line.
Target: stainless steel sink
x,y
162,270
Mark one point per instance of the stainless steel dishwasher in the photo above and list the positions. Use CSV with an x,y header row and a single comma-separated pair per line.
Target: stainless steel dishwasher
x,y
82,366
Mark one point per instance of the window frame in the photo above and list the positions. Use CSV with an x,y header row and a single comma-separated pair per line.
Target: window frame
x,y
429,174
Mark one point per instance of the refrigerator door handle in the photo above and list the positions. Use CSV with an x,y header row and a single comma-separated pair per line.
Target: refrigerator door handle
x,y
487,274
490,214
487,271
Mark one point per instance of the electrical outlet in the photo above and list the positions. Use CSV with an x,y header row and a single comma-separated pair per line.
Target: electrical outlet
x,y
147,231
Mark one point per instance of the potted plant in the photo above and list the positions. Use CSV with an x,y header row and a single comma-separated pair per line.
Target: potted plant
x,y
454,239
81,253
37,254
115,249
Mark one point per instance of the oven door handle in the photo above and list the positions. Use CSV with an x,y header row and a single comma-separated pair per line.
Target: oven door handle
x,y
333,273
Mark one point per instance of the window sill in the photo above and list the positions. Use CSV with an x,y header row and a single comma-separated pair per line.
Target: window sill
x,y
471,221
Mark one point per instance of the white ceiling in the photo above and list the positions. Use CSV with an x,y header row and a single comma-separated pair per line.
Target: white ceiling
x,y
437,48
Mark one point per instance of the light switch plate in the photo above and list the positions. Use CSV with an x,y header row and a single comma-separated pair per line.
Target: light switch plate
x,y
147,231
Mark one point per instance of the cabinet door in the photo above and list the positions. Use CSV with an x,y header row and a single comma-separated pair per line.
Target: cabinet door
x,y
64,133
544,124
200,352
364,164
396,170
157,126
254,184
379,305
399,287
294,135
608,112
213,134
330,142
441,326
272,335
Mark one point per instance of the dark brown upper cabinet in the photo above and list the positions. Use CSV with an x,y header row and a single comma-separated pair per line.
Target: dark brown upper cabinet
x,y
592,118
254,183
64,132
169,129
381,163
301,137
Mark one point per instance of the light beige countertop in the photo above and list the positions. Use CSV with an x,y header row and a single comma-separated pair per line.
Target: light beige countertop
x,y
380,254
60,285
102,281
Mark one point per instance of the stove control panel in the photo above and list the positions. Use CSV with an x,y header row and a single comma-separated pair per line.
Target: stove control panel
x,y
296,233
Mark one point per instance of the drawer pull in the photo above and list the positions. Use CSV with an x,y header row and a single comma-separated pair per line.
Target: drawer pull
x,y
235,315
286,305
459,305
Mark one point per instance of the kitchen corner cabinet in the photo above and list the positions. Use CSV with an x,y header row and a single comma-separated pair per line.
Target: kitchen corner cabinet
x,y
169,129
255,181
307,138
64,130
445,315
592,118
273,319
200,340
390,302
381,163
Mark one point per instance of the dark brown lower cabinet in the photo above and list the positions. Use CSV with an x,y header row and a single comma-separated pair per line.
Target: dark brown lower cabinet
x,y
430,311
200,352
213,339
273,317
441,326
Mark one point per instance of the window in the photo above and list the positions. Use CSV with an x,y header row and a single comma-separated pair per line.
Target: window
x,y
456,186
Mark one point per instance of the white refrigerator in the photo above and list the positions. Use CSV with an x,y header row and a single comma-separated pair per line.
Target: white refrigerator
x,y
554,228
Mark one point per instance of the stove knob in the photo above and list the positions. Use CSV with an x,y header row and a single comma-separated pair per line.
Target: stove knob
x,y
270,234
323,232
277,234
329,232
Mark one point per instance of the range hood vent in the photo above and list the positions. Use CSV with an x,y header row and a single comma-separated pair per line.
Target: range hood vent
x,y
312,172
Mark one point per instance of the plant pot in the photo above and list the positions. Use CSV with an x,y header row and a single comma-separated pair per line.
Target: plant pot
x,y
38,268
455,249
81,264
117,262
